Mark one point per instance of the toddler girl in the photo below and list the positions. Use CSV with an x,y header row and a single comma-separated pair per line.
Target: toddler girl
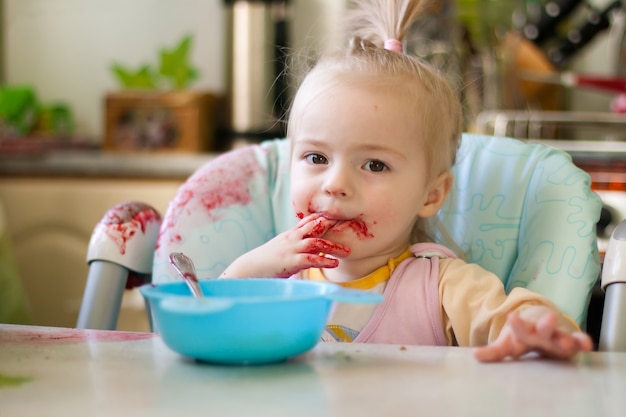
x,y
374,134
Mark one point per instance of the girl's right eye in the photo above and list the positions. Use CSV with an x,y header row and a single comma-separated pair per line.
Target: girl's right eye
x,y
316,159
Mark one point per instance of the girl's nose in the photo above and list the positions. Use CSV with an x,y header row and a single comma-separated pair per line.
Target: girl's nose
x,y
337,183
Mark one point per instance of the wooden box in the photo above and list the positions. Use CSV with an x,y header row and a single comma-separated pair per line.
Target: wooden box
x,y
160,121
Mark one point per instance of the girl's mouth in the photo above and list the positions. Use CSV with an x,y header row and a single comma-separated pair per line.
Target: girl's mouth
x,y
356,225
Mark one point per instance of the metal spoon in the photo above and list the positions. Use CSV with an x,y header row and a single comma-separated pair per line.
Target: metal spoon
x,y
184,265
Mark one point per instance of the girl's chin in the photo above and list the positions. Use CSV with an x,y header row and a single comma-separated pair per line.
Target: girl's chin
x,y
341,238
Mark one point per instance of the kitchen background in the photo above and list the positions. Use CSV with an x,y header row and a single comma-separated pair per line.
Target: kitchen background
x,y
64,50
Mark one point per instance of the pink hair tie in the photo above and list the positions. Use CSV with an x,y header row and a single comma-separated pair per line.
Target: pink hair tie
x,y
393,45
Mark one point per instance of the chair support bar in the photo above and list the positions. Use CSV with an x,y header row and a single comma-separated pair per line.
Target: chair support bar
x,y
612,335
102,299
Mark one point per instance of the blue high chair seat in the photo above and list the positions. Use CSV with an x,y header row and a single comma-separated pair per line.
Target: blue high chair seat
x,y
523,211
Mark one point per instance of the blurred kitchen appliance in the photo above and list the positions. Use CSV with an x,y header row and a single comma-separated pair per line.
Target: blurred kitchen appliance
x,y
546,44
541,28
256,34
610,84
594,22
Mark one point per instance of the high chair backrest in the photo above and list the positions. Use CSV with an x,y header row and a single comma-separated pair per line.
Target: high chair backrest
x,y
523,211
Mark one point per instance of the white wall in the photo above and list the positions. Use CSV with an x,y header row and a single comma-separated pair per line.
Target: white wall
x,y
64,47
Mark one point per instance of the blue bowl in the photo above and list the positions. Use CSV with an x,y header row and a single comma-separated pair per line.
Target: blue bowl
x,y
246,321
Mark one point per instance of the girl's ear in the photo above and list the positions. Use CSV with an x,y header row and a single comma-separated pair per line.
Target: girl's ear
x,y
437,195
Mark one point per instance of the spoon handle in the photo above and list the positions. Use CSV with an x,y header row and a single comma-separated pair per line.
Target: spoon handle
x,y
184,265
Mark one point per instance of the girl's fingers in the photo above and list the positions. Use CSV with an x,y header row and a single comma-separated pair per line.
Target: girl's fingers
x,y
311,228
546,338
491,353
317,261
546,327
584,341
305,261
317,246
520,328
300,248
317,227
543,336
569,344
308,219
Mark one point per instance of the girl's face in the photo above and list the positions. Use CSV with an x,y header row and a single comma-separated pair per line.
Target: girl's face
x,y
358,158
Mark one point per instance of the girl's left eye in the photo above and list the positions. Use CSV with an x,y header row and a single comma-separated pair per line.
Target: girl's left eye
x,y
375,166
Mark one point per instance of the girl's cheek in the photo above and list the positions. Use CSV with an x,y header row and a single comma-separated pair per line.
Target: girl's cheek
x,y
300,206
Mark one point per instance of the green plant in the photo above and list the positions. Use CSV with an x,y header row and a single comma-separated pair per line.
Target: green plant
x,y
174,70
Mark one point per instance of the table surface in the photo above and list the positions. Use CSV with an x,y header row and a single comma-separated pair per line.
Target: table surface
x,y
69,372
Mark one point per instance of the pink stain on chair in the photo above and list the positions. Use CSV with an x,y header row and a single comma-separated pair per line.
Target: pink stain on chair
x,y
127,219
222,183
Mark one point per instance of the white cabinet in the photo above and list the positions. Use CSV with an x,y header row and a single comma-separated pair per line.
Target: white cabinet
x,y
50,221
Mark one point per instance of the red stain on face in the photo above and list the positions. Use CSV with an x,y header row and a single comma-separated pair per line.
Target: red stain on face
x,y
222,183
123,221
359,227
356,225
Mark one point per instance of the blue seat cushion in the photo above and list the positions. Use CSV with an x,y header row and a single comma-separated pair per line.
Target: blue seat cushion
x,y
523,211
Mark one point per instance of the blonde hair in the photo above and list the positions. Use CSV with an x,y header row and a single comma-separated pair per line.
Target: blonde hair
x,y
368,24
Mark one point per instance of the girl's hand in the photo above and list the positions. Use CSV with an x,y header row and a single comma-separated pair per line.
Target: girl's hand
x,y
290,252
536,329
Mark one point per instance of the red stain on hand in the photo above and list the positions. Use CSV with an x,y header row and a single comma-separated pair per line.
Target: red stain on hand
x,y
310,261
322,225
322,262
325,246
123,221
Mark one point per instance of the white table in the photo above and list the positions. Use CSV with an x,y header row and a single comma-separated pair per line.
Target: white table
x,y
67,372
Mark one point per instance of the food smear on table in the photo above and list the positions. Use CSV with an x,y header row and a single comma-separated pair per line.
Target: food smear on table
x,y
60,335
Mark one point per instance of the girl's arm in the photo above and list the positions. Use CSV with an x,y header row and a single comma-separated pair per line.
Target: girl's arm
x,y
477,312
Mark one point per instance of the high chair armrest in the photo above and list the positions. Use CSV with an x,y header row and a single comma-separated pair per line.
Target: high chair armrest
x,y
126,235
121,245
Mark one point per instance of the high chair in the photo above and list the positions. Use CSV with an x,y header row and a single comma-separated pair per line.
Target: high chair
x,y
523,211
